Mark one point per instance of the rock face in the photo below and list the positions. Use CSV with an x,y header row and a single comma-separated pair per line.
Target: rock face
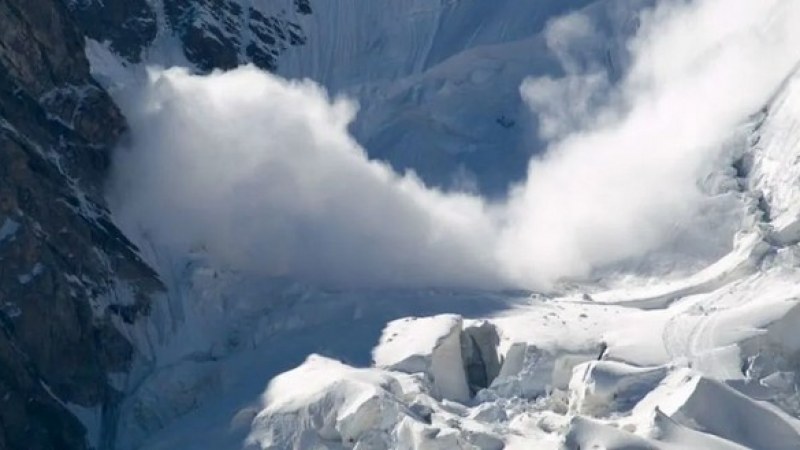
x,y
222,34
128,25
214,34
67,274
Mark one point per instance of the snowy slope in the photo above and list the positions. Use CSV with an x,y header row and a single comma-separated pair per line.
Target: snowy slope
x,y
438,82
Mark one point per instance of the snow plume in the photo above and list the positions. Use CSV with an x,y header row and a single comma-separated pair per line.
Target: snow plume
x,y
263,174
627,174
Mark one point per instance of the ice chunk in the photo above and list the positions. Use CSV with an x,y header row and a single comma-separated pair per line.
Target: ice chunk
x,y
599,388
529,371
713,407
430,345
585,433
326,404
670,431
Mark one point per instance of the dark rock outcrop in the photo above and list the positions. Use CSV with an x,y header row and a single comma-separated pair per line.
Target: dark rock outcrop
x,y
303,6
61,258
128,25
221,34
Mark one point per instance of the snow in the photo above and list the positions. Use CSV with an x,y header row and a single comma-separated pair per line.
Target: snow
x,y
325,404
600,388
530,372
588,433
774,170
336,402
8,229
549,349
245,343
407,341
429,345
704,359
26,278
443,97
717,409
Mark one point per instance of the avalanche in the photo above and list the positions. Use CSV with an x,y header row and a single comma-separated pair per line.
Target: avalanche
x,y
708,361
695,347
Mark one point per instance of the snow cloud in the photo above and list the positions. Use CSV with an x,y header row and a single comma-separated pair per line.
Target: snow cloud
x,y
263,174
631,174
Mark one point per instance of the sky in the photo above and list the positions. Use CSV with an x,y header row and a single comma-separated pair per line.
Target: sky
x,y
262,174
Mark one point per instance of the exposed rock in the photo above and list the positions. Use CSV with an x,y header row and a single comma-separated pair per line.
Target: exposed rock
x,y
273,36
62,258
31,417
221,34
129,26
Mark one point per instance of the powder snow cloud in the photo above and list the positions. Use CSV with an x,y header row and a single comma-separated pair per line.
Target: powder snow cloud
x,y
625,179
263,174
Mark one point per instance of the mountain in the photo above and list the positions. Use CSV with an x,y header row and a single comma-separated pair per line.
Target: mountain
x,y
431,77
705,360
113,339
73,285
70,280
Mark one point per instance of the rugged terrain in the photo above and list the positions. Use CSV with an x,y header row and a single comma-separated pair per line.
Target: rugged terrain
x,y
112,340
68,277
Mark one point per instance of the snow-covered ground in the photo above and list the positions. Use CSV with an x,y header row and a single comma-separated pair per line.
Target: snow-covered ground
x,y
711,368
